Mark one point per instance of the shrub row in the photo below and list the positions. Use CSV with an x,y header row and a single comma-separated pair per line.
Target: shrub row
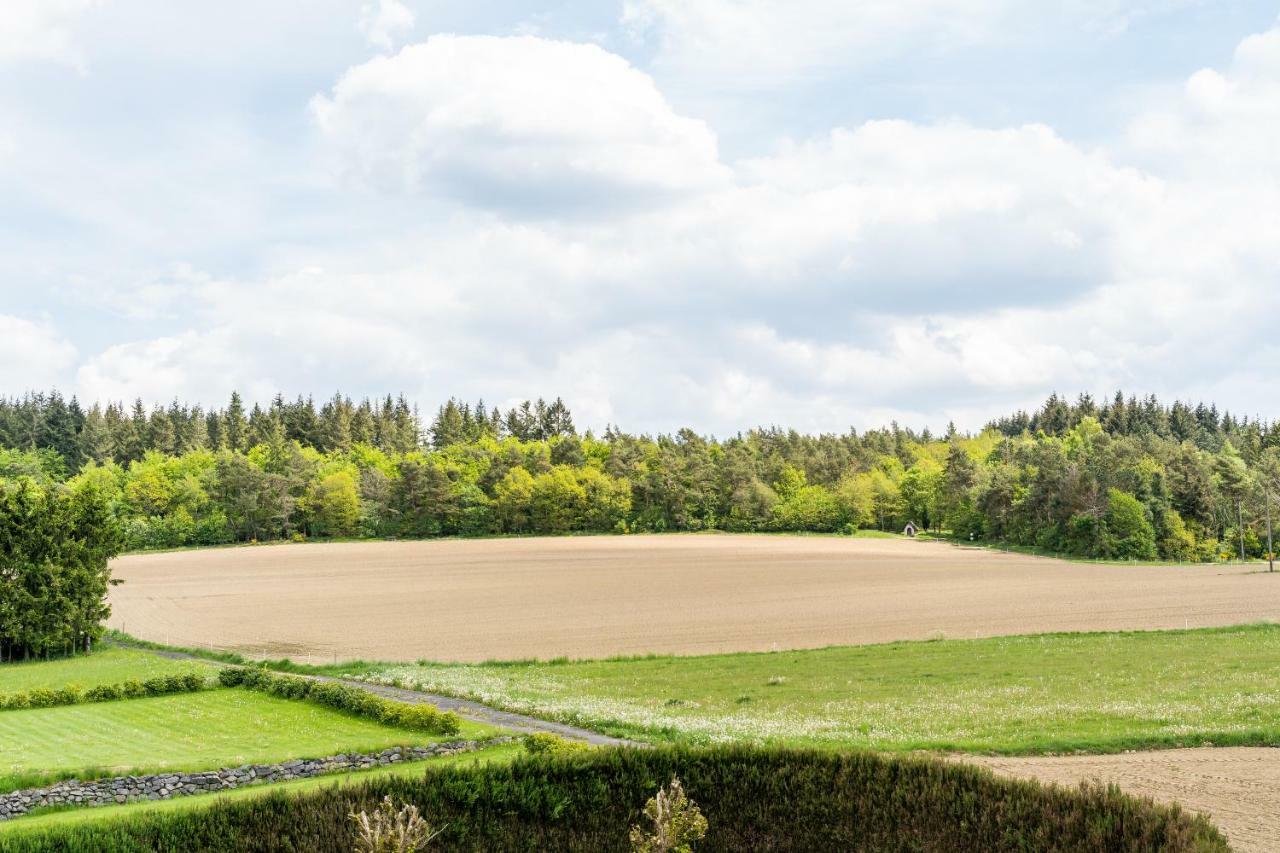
x,y
543,743
768,799
74,694
353,700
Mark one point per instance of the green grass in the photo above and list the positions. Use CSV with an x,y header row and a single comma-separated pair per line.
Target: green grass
x,y
110,664
501,754
215,728
1103,692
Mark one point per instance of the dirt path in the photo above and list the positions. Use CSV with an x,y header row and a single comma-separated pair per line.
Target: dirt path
x,y
484,714
1237,788
464,708
472,600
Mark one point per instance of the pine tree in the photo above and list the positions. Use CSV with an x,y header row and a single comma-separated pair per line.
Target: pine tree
x,y
95,438
160,434
216,438
134,434
235,427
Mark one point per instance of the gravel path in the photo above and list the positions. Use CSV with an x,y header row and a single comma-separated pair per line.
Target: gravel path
x,y
464,708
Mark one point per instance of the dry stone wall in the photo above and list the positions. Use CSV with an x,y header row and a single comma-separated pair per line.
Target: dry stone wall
x,y
125,789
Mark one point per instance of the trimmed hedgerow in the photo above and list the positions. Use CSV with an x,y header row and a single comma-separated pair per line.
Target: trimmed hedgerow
x,y
545,743
753,799
422,717
73,694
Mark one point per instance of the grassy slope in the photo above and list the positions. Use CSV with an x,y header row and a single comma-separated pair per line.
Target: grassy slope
x,y
1047,693
57,819
108,665
215,728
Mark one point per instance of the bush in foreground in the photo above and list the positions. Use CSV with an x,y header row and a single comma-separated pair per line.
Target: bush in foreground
x,y
391,830
753,799
675,824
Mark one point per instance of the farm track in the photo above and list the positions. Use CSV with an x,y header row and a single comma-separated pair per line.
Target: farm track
x,y
464,708
593,597
1238,788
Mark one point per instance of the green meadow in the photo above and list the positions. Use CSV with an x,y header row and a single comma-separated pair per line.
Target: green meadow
x,y
1103,692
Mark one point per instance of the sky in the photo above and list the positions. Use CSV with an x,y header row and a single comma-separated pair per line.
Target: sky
x,y
706,213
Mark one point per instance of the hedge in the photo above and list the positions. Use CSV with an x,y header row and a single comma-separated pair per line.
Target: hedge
x,y
753,799
74,694
353,700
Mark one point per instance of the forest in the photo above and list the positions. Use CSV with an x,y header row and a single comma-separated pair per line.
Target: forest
x,y
1125,479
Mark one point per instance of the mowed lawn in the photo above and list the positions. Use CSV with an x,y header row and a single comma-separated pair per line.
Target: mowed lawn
x,y
108,665
1046,693
210,729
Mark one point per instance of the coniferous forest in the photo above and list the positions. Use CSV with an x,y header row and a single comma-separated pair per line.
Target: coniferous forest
x,y
1122,479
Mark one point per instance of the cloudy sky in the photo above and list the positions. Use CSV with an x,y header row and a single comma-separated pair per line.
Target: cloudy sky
x,y
714,213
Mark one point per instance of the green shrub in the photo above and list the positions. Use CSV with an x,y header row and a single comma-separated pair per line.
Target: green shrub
x,y
343,697
193,681
74,694
163,685
752,799
288,688
132,689
544,743
231,676
15,701
423,717
104,693
69,694
42,697
256,678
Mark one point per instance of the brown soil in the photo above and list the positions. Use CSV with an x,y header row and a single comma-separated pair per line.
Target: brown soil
x,y
595,596
1237,788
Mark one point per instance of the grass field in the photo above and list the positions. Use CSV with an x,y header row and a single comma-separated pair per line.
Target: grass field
x,y
591,597
68,817
214,728
1047,693
108,665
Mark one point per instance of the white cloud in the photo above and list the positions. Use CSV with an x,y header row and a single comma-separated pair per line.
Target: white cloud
x,y
909,217
383,20
1223,124
32,355
603,251
41,29
514,123
768,37
770,41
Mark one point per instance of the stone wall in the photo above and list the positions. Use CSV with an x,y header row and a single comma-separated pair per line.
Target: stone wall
x,y
125,789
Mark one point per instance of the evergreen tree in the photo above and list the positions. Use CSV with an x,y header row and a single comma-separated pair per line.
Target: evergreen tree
x,y
235,426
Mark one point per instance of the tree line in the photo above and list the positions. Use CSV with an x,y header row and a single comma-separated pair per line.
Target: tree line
x,y
1125,479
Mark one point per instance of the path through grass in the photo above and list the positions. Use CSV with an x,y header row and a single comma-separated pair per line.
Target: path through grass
x,y
1047,693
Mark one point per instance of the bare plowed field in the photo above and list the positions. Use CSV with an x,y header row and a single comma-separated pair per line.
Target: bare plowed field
x,y
597,596
1238,789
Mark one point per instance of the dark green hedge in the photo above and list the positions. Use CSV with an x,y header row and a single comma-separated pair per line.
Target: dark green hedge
x,y
755,800
421,716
